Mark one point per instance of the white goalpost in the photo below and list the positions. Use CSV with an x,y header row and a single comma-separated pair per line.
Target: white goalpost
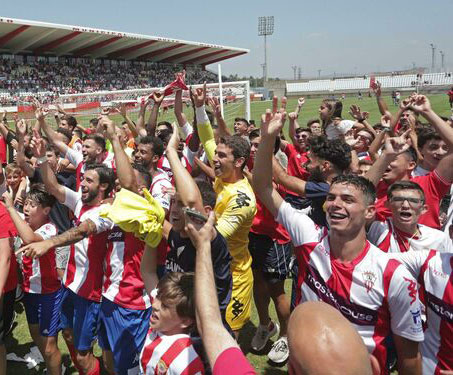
x,y
235,98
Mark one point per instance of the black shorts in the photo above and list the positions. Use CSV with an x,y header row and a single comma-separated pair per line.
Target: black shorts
x,y
269,256
6,313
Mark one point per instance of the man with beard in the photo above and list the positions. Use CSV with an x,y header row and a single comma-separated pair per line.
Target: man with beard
x,y
93,148
85,271
326,160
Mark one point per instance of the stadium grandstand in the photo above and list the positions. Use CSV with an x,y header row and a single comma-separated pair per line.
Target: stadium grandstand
x,y
403,82
47,60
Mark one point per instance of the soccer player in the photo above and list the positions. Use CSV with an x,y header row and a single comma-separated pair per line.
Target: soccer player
x,y
85,270
270,248
41,284
125,306
340,267
434,272
433,149
201,197
8,280
235,208
168,347
223,352
93,149
401,232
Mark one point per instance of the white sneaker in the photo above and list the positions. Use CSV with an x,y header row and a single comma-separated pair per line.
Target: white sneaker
x,y
280,351
263,334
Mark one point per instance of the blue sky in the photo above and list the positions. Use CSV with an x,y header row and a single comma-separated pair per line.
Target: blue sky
x,y
348,36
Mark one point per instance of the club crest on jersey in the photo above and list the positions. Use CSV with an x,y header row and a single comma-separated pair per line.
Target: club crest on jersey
x,y
161,368
369,278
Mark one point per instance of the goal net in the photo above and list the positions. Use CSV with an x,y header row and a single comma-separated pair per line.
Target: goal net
x,y
235,97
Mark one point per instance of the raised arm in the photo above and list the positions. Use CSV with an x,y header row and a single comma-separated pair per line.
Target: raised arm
x,y
422,105
215,106
262,179
215,337
37,145
185,185
179,114
130,124
203,124
393,147
141,118
291,183
21,130
124,170
25,232
152,121
52,135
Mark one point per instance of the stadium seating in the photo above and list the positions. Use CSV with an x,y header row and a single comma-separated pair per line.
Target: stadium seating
x,y
45,79
363,83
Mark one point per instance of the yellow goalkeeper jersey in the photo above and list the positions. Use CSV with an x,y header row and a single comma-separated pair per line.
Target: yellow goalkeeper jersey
x,y
235,206
235,209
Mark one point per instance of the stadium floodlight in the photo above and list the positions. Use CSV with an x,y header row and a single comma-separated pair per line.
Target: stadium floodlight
x,y
433,57
442,59
265,28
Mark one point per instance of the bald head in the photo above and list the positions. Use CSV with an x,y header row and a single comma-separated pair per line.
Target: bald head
x,y
322,341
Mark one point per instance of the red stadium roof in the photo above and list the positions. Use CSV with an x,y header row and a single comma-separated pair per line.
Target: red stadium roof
x,y
48,39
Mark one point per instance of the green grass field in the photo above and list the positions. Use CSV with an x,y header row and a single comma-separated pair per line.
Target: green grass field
x,y
20,341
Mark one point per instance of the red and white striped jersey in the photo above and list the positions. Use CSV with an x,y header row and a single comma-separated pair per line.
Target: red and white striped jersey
x,y
85,270
434,272
164,164
159,189
169,355
76,159
390,239
123,282
374,292
40,274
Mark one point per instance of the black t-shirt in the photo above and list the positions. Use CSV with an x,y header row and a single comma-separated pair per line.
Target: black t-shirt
x,y
316,192
60,215
181,258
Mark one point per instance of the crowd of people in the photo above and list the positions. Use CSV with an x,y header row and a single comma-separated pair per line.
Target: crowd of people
x,y
73,76
153,238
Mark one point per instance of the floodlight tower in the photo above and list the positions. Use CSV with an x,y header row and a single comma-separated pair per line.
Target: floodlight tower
x,y
442,59
265,28
294,68
433,56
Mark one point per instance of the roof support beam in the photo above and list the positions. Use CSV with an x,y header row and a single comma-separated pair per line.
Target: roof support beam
x,y
160,51
128,50
12,34
55,43
195,59
221,58
87,50
29,42
183,54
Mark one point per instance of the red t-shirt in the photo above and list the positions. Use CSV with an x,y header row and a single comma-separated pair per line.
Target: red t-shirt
x,y
434,187
450,94
296,162
8,230
2,151
232,362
